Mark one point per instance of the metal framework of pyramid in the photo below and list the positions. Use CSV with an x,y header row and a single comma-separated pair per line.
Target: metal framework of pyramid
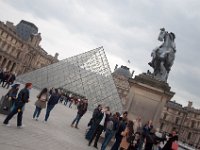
x,y
87,74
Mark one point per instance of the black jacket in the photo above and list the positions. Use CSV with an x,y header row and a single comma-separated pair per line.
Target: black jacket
x,y
168,145
53,100
82,108
23,96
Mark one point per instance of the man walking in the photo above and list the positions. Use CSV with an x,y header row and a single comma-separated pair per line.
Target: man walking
x,y
82,108
53,100
94,121
22,99
105,114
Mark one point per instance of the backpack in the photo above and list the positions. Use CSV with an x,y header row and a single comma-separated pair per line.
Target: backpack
x,y
110,125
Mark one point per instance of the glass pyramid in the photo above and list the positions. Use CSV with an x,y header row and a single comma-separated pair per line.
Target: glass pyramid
x,y
87,74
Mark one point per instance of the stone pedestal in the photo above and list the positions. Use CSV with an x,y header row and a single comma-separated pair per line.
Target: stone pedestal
x,y
147,98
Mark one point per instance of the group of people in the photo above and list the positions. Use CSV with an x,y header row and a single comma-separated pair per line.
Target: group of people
x,y
128,134
69,100
6,78
45,99
17,102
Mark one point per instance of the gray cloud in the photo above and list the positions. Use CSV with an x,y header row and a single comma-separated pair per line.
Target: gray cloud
x,y
127,30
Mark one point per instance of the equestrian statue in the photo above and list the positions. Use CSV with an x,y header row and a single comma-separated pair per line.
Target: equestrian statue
x,y
163,56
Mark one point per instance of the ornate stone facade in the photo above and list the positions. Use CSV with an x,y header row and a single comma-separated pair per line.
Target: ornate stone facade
x,y
20,51
186,120
120,77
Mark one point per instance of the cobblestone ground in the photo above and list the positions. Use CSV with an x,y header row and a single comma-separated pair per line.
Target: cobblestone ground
x,y
57,134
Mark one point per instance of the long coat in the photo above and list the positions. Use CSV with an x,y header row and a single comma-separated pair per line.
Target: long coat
x,y
42,103
124,143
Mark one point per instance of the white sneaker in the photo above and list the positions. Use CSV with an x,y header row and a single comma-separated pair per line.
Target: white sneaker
x,y
7,125
44,121
20,127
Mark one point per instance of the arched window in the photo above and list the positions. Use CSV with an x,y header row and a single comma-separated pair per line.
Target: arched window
x,y
0,58
13,67
189,136
177,120
193,124
4,62
161,126
18,55
8,65
165,116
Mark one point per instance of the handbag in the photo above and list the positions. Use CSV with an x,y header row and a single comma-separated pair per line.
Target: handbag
x,y
175,145
43,98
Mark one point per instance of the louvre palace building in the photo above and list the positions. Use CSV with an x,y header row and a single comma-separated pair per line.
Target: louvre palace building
x,y
20,51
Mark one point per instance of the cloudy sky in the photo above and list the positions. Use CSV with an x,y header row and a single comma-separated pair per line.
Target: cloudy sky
x,y
127,29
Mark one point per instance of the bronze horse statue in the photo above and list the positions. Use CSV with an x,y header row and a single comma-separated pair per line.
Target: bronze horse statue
x,y
164,55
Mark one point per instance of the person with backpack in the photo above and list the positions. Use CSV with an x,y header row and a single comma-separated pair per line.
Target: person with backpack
x,y
41,103
53,100
82,109
111,128
22,99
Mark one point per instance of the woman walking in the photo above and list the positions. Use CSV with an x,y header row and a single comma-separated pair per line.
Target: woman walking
x,y
40,103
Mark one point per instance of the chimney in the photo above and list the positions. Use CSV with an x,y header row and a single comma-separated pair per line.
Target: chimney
x,y
116,66
190,104
56,55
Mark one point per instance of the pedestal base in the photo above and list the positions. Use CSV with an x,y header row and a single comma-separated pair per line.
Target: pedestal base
x,y
147,98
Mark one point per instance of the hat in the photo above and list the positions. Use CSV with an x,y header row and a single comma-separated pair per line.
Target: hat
x,y
28,84
15,86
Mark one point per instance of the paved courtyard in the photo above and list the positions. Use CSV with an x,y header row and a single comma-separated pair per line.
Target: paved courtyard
x,y
57,134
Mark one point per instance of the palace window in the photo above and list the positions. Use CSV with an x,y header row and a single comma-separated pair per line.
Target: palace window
x,y
189,136
177,120
193,124
165,116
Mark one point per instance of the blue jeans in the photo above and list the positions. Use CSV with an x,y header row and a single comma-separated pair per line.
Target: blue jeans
x,y
49,108
118,139
108,136
77,119
37,112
